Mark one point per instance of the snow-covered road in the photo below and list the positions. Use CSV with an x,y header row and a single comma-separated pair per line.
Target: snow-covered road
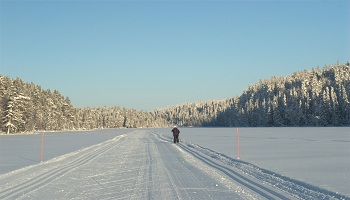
x,y
146,165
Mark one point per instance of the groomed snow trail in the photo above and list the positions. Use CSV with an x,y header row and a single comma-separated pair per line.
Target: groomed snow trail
x,y
145,165
133,166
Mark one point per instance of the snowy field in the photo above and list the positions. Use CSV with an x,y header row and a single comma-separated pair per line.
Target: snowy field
x,y
318,156
140,163
17,151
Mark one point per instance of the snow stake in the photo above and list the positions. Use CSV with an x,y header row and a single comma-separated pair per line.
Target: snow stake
x,y
238,144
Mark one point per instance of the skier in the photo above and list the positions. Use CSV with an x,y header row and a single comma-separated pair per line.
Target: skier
x,y
176,133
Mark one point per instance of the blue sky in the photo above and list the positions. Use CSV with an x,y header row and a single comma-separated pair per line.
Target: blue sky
x,y
154,54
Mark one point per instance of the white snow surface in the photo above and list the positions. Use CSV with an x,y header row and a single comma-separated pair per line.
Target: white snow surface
x,y
145,164
316,155
17,151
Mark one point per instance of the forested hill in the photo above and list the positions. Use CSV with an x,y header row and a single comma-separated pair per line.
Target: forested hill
x,y
307,98
26,107
319,97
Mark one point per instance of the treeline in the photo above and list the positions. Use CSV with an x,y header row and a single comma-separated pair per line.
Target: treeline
x,y
317,97
308,98
26,107
115,117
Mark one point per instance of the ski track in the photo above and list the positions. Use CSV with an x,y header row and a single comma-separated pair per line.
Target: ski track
x,y
23,182
263,182
146,165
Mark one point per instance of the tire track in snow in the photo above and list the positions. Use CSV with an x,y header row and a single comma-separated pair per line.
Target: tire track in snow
x,y
45,178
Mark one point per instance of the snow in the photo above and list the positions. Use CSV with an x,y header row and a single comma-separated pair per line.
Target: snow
x,y
318,156
18,151
144,164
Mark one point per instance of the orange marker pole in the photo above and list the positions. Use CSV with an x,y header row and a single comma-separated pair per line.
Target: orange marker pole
x,y
42,147
238,144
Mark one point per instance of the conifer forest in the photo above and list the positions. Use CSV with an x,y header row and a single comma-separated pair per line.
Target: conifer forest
x,y
317,97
